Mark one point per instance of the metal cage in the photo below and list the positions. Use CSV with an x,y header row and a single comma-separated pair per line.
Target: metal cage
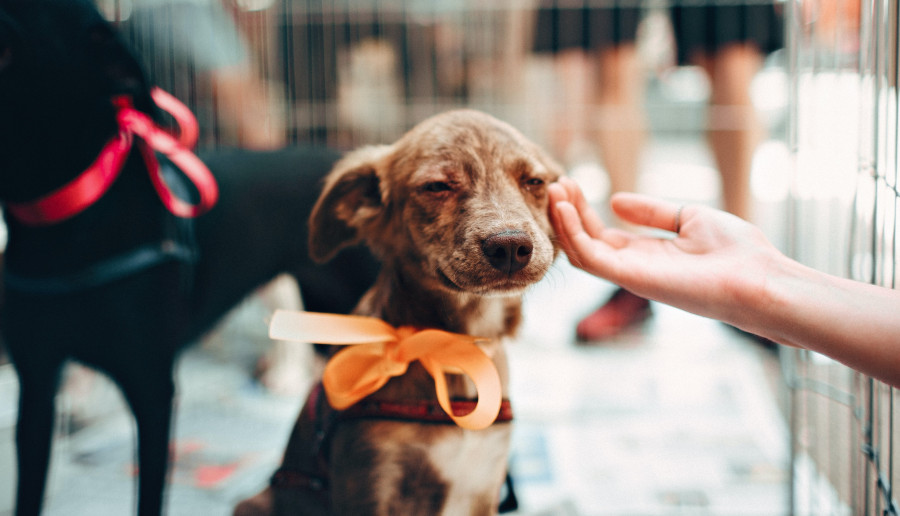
x,y
844,130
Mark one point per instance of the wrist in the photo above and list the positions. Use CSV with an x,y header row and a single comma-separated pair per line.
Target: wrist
x,y
765,298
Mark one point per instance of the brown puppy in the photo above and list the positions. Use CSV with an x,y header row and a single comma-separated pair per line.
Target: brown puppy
x,y
457,212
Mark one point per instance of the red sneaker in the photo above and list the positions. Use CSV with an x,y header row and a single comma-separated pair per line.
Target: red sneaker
x,y
623,309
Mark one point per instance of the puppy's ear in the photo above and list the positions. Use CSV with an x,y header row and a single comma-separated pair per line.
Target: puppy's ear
x,y
349,204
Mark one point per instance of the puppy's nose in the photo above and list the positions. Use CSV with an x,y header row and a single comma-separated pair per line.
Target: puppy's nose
x,y
508,251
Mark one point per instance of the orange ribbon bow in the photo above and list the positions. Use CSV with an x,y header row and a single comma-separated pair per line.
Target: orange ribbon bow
x,y
377,352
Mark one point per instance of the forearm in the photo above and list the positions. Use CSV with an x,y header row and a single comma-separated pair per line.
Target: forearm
x,y
854,323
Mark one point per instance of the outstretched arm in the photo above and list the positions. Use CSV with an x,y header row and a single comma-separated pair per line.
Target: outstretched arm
x,y
720,266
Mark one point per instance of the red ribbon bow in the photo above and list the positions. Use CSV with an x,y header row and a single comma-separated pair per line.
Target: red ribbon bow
x,y
86,189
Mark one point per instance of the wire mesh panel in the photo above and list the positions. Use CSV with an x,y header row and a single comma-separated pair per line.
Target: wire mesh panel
x,y
843,56
337,72
263,73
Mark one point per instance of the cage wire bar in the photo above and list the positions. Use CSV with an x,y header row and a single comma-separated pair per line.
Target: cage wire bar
x,y
844,79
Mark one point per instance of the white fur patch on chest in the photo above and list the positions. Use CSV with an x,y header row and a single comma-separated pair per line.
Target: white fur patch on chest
x,y
490,319
474,466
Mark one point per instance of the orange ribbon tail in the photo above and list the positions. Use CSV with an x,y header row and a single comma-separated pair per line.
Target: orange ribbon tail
x,y
377,352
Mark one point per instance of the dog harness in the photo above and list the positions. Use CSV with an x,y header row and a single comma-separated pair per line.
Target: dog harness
x,y
86,189
314,474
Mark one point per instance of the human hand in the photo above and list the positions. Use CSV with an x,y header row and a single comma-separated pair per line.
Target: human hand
x,y
720,266
713,266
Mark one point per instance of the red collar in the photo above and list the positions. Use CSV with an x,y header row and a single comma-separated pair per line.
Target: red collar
x,y
86,189
423,411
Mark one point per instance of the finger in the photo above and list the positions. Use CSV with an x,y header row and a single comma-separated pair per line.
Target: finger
x,y
569,226
617,238
556,192
556,219
580,247
561,191
648,211
589,218
613,237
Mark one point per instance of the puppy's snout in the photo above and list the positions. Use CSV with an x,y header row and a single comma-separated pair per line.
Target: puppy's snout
x,y
508,251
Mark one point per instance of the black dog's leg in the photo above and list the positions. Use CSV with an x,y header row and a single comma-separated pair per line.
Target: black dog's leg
x,y
34,430
150,394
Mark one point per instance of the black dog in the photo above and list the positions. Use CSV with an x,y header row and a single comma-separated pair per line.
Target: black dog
x,y
124,285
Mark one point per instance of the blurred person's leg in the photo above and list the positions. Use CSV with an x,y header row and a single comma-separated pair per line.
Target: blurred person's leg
x,y
561,31
730,41
619,123
734,129
570,128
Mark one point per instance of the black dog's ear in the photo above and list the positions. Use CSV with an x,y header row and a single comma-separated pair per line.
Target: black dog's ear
x,y
120,67
350,202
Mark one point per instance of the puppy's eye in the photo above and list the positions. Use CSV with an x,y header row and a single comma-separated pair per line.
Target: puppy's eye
x,y
437,187
532,184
